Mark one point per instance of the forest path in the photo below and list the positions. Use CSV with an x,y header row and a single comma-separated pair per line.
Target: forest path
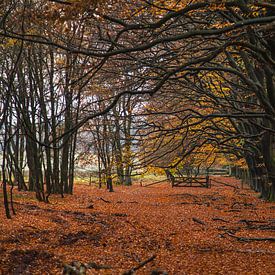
x,y
190,230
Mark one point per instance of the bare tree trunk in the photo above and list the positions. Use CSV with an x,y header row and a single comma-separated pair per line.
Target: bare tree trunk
x,y
4,158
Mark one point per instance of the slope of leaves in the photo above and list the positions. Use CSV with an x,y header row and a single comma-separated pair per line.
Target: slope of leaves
x,y
190,230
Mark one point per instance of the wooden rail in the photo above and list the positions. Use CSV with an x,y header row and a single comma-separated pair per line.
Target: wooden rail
x,y
153,183
191,182
185,181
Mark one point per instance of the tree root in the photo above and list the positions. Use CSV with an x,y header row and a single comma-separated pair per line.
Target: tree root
x,y
134,269
248,239
198,221
104,200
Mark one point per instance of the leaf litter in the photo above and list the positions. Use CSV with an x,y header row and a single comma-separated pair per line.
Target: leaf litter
x,y
222,230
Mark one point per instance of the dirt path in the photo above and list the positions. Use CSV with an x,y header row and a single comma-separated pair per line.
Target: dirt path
x,y
190,230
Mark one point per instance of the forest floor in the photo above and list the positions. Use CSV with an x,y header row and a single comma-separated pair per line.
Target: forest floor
x,y
189,230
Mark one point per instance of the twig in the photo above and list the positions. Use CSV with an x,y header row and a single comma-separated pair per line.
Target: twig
x,y
198,221
104,200
258,225
246,239
134,269
244,204
97,266
251,221
231,230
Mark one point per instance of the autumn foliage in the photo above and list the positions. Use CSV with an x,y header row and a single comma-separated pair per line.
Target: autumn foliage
x,y
190,230
109,93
